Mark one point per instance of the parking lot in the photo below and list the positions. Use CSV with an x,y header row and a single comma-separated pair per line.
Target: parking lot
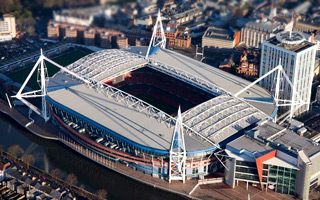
x,y
19,48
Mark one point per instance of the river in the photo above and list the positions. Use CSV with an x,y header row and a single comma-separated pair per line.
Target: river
x,y
52,154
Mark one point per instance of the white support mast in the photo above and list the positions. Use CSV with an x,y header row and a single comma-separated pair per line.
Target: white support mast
x,y
279,102
42,79
43,76
178,155
158,37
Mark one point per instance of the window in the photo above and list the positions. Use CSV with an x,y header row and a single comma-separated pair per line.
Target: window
x,y
246,170
247,177
245,163
194,170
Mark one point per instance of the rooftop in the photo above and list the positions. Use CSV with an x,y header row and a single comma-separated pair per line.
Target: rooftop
x,y
248,147
116,117
286,139
220,33
279,162
268,26
294,41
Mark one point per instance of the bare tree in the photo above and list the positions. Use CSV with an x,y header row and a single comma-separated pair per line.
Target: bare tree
x,y
1,149
15,150
72,179
56,173
102,194
82,186
29,159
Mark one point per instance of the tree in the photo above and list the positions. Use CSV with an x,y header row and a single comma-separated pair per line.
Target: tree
x,y
1,149
7,6
15,150
82,186
56,173
72,179
25,21
102,194
28,159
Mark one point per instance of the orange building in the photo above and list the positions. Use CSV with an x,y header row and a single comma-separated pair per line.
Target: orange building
x,y
71,33
171,34
236,38
78,33
89,37
245,68
183,41
53,31
122,42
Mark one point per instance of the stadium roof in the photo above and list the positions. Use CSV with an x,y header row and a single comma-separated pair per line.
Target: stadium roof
x,y
136,126
224,80
286,139
210,122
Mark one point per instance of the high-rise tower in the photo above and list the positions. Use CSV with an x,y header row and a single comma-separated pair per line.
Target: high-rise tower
x,y
297,57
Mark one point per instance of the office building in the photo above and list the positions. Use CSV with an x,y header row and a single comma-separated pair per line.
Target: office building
x,y
7,28
274,158
297,57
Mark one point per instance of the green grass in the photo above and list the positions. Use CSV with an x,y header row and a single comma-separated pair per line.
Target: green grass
x,y
63,59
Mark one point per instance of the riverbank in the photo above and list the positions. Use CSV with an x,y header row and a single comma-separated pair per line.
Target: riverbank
x,y
38,181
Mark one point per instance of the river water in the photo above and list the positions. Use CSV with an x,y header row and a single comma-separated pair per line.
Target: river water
x,y
52,154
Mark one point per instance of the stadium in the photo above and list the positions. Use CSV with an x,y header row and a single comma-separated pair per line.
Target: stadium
x,y
149,108
128,110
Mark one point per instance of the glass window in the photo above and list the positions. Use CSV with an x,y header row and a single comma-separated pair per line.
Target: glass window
x,y
247,177
264,172
194,170
272,179
247,170
245,163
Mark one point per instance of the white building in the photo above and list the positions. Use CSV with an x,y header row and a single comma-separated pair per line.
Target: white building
x,y
297,57
7,28
143,21
80,16
254,33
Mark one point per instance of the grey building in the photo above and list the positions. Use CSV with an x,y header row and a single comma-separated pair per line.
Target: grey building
x,y
274,158
297,57
218,37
